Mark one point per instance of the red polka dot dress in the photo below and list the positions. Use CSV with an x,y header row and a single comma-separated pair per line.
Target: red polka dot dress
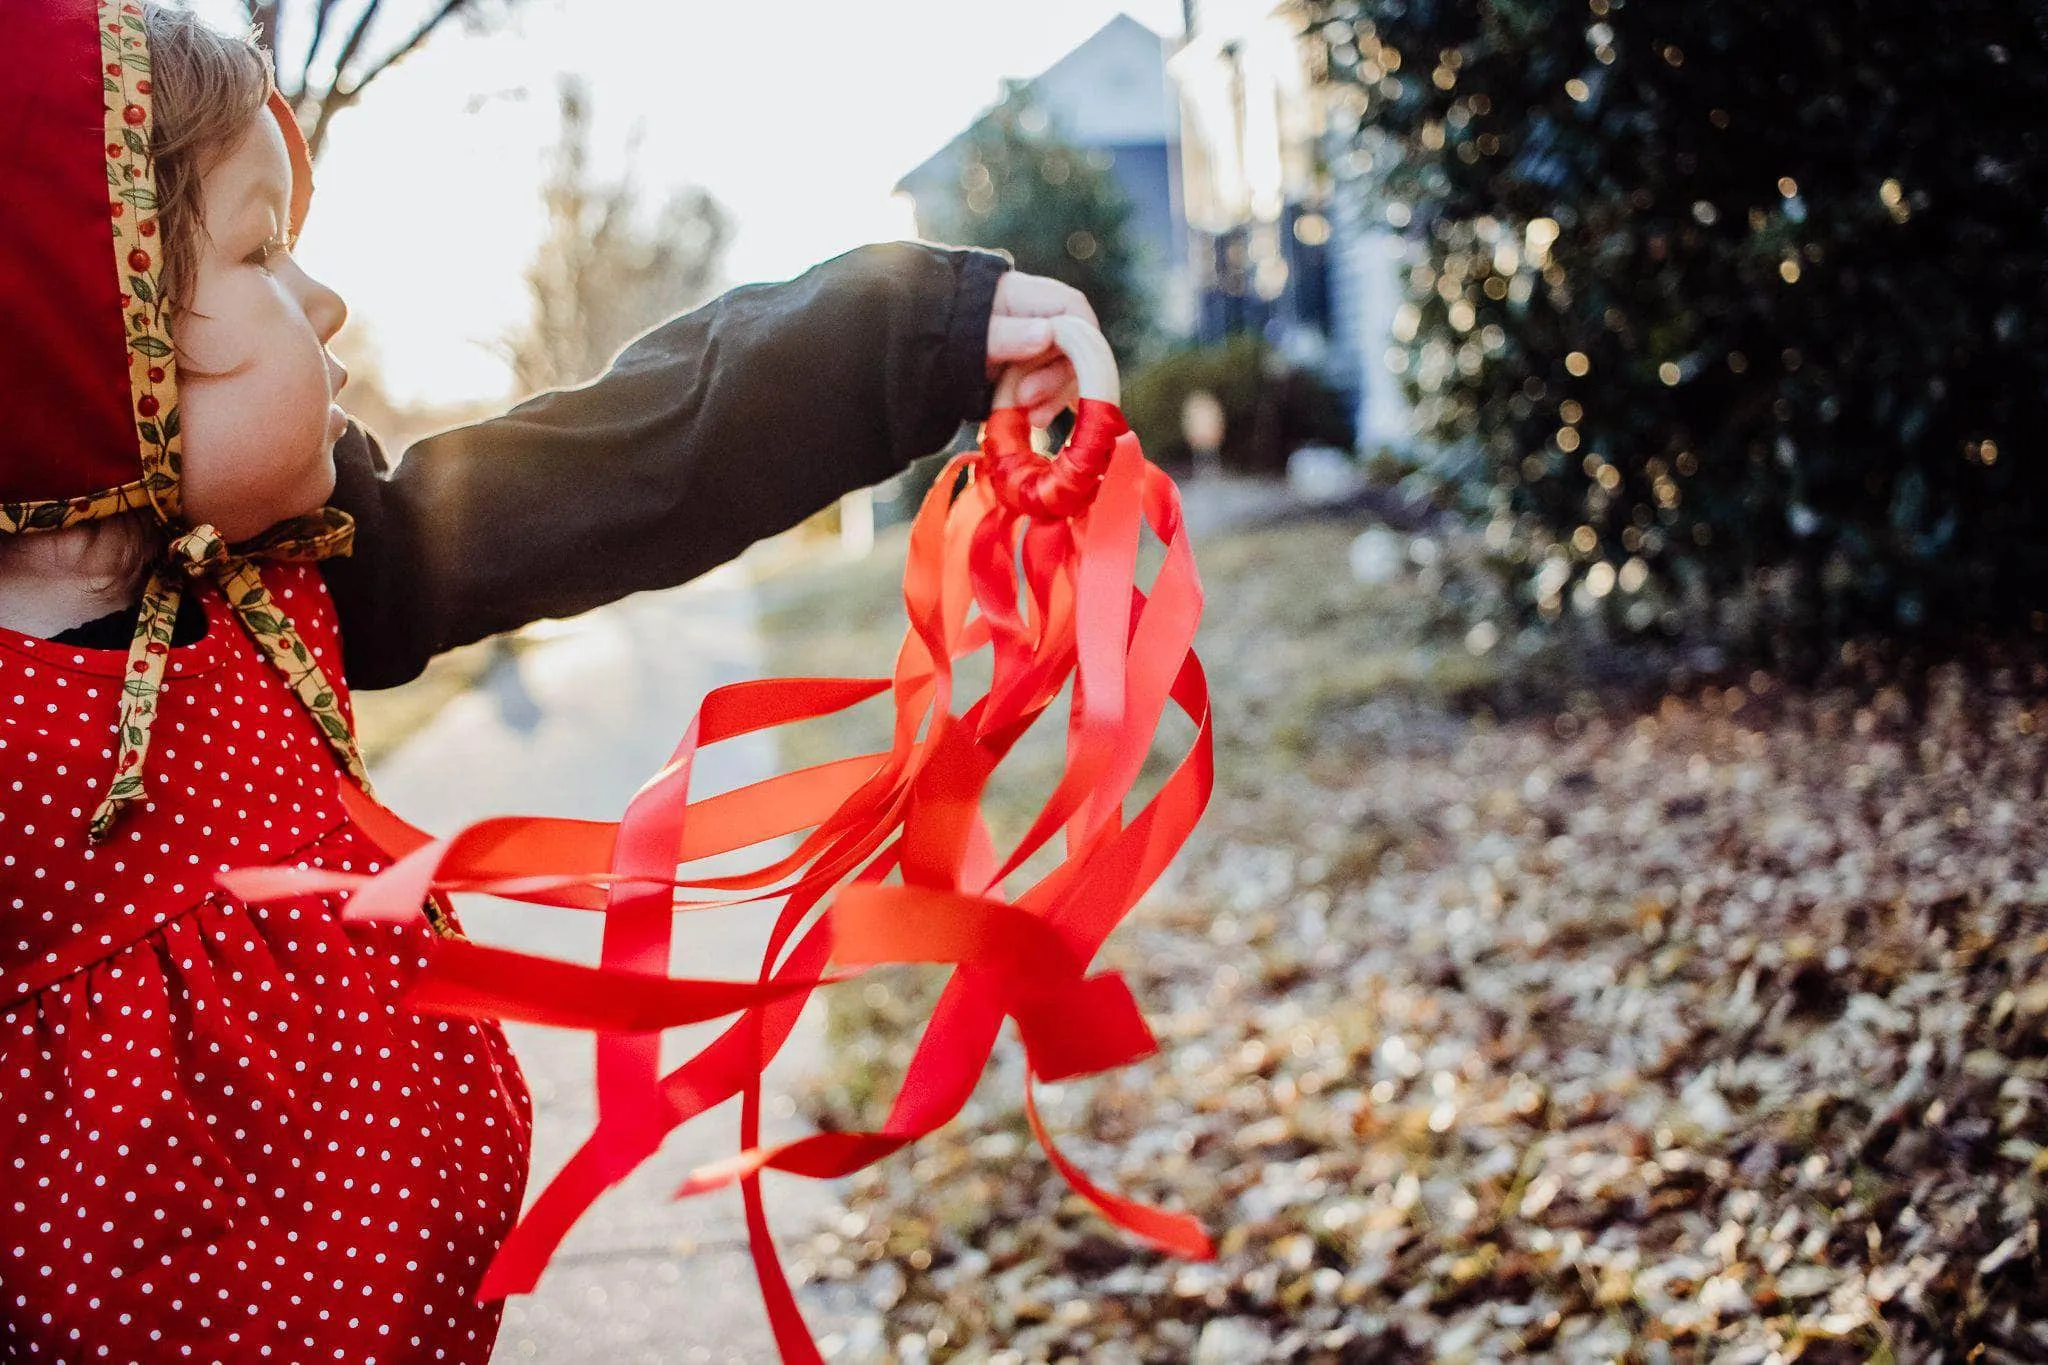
x,y
221,1137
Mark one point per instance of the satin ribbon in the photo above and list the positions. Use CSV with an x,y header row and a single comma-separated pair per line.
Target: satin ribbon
x,y
1033,559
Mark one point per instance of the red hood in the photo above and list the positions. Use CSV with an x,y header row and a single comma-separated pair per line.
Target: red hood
x,y
64,362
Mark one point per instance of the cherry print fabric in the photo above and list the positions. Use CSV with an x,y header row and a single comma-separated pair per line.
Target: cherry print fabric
x,y
221,1135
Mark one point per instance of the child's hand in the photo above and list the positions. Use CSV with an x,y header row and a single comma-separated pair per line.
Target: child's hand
x,y
1019,334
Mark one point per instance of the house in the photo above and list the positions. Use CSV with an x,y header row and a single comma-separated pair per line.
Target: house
x,y
1232,155
1110,98
1277,247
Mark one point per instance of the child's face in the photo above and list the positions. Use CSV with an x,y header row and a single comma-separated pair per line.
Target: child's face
x,y
256,382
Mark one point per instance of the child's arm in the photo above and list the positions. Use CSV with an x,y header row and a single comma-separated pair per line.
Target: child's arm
x,y
716,429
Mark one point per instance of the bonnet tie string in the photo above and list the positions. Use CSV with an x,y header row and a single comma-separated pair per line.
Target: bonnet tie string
x,y
202,552
134,242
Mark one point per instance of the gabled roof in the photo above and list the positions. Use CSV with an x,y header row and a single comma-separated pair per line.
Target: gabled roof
x,y
1111,91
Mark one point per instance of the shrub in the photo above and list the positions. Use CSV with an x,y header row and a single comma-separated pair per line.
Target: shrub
x,y
1056,208
1735,300
1269,411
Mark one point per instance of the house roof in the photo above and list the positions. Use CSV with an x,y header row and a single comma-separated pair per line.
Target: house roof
x,y
1110,91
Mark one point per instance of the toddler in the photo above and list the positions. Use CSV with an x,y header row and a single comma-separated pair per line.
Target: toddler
x,y
221,1138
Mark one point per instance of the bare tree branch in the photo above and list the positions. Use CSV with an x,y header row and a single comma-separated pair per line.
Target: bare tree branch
x,y
354,42
605,272
357,63
449,8
321,14
341,96
337,97
331,103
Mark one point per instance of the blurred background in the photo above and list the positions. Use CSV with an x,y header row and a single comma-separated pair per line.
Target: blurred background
x,y
1605,426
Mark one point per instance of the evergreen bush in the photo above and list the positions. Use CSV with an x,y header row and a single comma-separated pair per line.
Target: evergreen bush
x,y
1736,302
1269,410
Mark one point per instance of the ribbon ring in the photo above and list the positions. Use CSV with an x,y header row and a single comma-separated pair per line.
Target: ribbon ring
x,y
1064,486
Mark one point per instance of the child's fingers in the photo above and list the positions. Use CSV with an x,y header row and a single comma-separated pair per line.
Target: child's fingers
x,y
1036,296
1048,388
1042,383
1013,341
1083,364
1043,413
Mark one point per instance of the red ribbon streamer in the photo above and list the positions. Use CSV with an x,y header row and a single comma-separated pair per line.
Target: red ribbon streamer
x,y
1075,612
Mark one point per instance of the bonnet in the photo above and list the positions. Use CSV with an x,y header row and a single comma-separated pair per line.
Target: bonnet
x,y
87,371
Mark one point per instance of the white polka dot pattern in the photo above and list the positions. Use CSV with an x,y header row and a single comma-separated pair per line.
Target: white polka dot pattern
x,y
221,1137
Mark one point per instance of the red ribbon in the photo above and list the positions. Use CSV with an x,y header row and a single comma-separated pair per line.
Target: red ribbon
x,y
1075,612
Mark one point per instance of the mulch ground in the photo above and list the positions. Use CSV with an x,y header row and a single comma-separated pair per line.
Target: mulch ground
x,y
1507,1011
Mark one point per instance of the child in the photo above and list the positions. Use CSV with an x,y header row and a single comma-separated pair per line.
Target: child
x,y
220,1138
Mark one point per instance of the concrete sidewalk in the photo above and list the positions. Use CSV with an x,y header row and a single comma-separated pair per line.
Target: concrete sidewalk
x,y
571,727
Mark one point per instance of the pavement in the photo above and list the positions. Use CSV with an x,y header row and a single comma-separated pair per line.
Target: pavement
x,y
571,724
1227,502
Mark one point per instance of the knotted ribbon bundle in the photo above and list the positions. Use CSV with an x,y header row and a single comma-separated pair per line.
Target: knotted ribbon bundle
x,y
1035,560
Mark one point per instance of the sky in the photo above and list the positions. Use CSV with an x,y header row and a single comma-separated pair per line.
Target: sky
x,y
797,117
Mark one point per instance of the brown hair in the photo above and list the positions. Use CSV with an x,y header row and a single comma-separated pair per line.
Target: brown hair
x,y
208,85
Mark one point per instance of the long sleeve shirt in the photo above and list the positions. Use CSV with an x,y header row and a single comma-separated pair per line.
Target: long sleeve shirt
x,y
713,430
